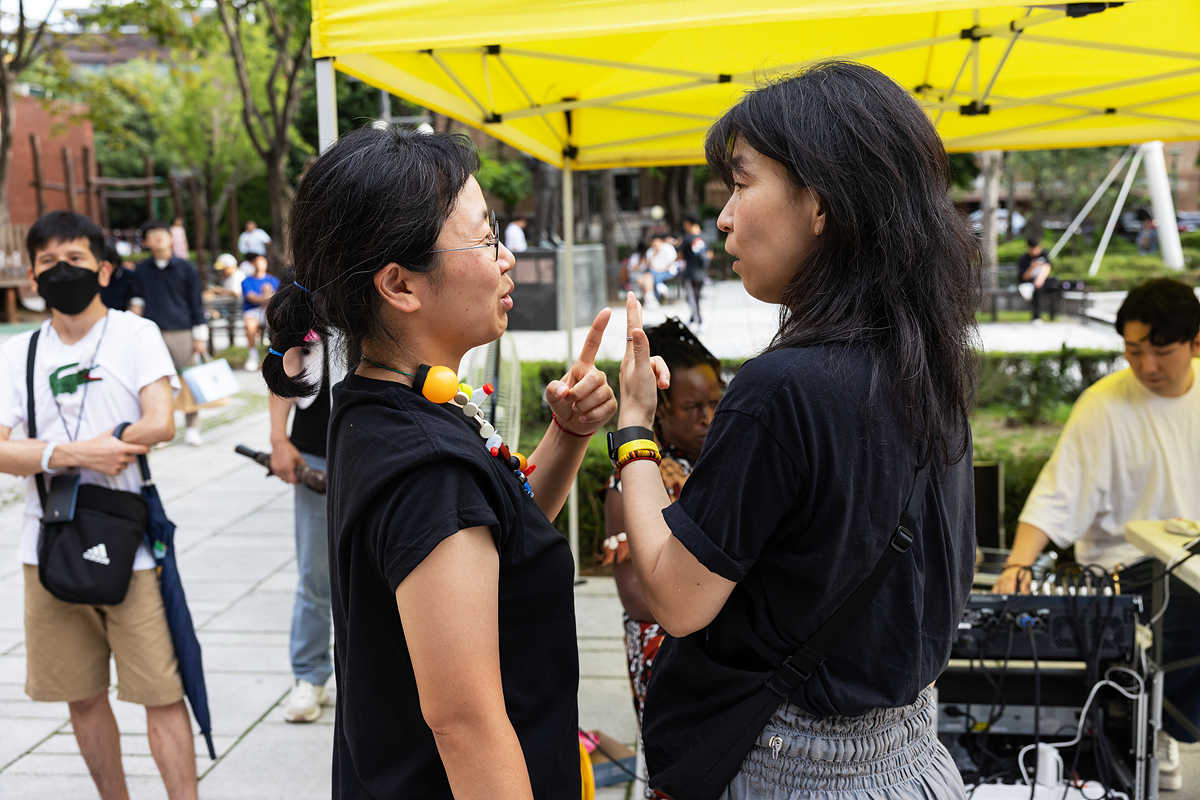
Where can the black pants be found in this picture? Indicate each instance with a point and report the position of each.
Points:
(1181, 639)
(1052, 291)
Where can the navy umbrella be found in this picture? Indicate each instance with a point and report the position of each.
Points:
(160, 535)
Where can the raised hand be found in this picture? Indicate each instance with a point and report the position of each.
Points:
(582, 400)
(642, 375)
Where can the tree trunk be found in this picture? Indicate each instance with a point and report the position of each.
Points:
(990, 161)
(279, 191)
(6, 133)
(608, 228)
(1011, 175)
(548, 205)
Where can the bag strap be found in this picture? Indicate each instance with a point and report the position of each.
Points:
(31, 409)
(143, 463)
(800, 665)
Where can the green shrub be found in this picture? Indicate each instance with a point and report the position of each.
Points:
(1033, 385)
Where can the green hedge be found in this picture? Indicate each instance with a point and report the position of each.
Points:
(1122, 267)
(1022, 400)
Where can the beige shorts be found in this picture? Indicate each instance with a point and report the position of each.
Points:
(179, 345)
(67, 645)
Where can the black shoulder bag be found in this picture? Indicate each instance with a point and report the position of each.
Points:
(89, 534)
(693, 755)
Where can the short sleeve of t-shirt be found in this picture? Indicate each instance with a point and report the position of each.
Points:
(1073, 485)
(437, 500)
(12, 394)
(752, 462)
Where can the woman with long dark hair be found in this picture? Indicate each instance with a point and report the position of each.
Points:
(451, 592)
(815, 565)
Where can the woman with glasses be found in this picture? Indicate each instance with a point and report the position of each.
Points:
(815, 566)
(452, 594)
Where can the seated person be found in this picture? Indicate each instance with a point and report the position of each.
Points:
(681, 422)
(660, 262)
(1033, 276)
(228, 279)
(1129, 452)
(256, 291)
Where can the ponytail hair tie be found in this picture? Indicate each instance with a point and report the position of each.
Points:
(299, 286)
(274, 352)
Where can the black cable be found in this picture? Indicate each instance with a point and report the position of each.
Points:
(1037, 705)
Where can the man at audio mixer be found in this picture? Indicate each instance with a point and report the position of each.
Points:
(1128, 452)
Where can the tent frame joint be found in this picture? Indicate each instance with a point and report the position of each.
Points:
(493, 119)
(492, 49)
(570, 152)
(1077, 10)
(975, 33)
(975, 109)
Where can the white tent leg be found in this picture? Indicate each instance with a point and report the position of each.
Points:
(326, 103)
(567, 264)
(1163, 205)
(1116, 212)
(1073, 228)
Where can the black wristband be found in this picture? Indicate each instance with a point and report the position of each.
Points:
(120, 429)
(623, 435)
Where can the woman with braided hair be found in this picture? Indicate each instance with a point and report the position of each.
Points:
(681, 422)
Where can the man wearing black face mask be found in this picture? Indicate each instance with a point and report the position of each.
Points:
(93, 369)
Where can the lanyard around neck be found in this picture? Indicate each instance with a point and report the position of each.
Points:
(83, 400)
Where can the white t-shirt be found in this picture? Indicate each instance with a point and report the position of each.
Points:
(514, 238)
(663, 259)
(234, 282)
(1125, 454)
(131, 355)
(254, 241)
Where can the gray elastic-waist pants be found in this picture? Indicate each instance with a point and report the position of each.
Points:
(885, 754)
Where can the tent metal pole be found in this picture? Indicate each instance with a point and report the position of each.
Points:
(326, 103)
(1163, 205)
(461, 86)
(568, 273)
(1114, 47)
(1073, 228)
(553, 108)
(963, 142)
(1102, 87)
(1116, 213)
(1012, 42)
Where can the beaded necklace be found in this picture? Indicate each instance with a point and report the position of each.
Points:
(441, 385)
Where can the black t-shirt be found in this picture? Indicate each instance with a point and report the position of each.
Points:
(796, 493)
(695, 256)
(310, 427)
(404, 474)
(1026, 261)
(122, 287)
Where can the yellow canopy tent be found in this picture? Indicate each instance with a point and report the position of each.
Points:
(594, 84)
(591, 84)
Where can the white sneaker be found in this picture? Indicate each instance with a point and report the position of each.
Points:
(252, 361)
(1170, 776)
(192, 436)
(303, 704)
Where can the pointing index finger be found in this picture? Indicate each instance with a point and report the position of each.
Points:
(595, 334)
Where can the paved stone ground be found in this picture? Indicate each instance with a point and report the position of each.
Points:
(236, 557)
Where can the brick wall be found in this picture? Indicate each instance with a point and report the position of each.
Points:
(56, 125)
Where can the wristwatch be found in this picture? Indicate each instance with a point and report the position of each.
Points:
(623, 436)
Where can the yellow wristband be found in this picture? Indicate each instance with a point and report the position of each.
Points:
(642, 454)
(636, 444)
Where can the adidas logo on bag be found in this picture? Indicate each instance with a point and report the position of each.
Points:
(97, 553)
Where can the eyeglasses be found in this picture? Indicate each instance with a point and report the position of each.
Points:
(493, 227)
